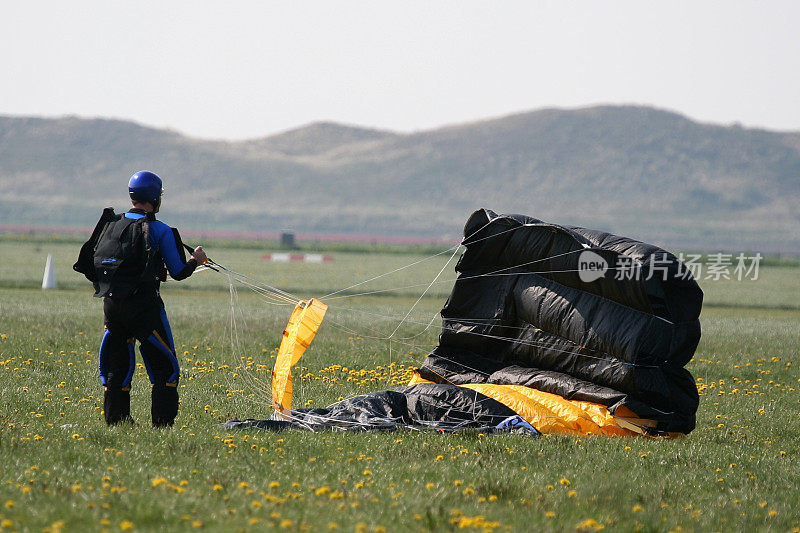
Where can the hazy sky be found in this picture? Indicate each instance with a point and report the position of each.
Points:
(246, 69)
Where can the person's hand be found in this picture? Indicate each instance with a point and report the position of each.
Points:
(199, 255)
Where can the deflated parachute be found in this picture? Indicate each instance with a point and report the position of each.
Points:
(576, 331)
(581, 314)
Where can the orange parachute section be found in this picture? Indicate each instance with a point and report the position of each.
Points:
(303, 325)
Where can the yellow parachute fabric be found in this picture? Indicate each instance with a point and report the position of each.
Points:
(303, 325)
(550, 413)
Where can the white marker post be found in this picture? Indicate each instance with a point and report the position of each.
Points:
(49, 279)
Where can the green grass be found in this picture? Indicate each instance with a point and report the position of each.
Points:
(62, 468)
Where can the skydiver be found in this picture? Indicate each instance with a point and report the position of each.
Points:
(126, 258)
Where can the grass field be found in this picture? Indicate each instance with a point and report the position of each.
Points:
(61, 468)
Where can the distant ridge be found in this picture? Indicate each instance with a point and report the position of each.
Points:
(319, 137)
(646, 173)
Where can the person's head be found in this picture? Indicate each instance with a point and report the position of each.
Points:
(146, 188)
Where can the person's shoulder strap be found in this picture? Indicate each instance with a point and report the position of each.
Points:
(179, 245)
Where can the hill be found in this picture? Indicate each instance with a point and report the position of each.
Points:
(643, 172)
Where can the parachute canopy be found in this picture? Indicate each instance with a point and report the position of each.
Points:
(577, 331)
(578, 313)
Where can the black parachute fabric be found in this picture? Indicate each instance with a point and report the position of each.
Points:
(523, 313)
(581, 314)
(423, 406)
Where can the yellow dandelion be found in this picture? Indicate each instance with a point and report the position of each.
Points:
(197, 523)
(590, 524)
(564, 481)
(572, 494)
(126, 525)
(637, 508)
(158, 481)
(550, 514)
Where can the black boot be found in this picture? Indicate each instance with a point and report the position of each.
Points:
(164, 406)
(117, 406)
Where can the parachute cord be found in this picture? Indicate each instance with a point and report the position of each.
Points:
(456, 247)
(233, 325)
(236, 342)
(500, 272)
(533, 344)
(422, 349)
(423, 330)
(423, 293)
(473, 321)
(244, 279)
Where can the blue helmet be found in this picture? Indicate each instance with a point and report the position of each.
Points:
(144, 186)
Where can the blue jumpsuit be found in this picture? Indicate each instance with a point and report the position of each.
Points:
(141, 316)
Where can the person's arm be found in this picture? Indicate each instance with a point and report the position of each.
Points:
(172, 257)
